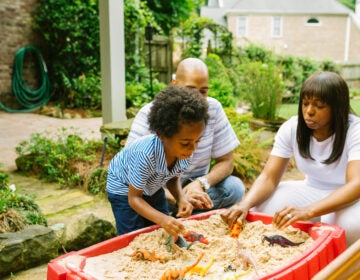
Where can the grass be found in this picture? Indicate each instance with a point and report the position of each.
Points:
(288, 110)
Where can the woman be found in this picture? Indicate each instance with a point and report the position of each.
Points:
(325, 141)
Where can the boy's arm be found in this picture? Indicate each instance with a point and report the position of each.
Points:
(138, 204)
(184, 206)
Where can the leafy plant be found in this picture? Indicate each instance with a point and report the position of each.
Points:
(137, 95)
(263, 87)
(54, 161)
(70, 32)
(249, 156)
(97, 182)
(220, 85)
(17, 210)
(84, 91)
(65, 158)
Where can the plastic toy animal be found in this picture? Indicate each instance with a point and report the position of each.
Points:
(280, 240)
(236, 229)
(179, 273)
(246, 258)
(193, 236)
(202, 269)
(175, 245)
(145, 255)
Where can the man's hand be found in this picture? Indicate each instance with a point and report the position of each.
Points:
(196, 195)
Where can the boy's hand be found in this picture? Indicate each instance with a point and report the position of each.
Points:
(184, 209)
(172, 226)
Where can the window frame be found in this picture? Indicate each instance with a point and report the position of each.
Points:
(243, 27)
(277, 26)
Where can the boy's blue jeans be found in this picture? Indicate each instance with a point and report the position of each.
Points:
(127, 219)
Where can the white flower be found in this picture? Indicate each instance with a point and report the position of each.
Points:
(12, 187)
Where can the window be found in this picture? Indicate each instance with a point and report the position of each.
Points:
(241, 26)
(313, 21)
(277, 26)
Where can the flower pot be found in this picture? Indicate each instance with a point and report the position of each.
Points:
(271, 125)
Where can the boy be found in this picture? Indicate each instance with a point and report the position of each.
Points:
(137, 174)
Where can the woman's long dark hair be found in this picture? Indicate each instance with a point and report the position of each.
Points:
(331, 89)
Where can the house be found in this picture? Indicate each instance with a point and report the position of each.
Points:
(320, 29)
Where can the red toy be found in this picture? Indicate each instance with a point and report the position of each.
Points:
(193, 236)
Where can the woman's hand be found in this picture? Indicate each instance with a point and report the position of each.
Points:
(235, 214)
(289, 214)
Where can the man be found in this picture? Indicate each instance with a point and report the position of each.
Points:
(205, 189)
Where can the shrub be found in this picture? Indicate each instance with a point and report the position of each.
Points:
(65, 158)
(263, 87)
(17, 210)
(220, 85)
(249, 156)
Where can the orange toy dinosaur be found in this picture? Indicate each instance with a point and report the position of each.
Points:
(145, 255)
(179, 273)
(236, 229)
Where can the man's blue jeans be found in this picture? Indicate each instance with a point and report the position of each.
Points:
(127, 219)
(223, 195)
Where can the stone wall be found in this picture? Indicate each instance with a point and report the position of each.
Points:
(15, 32)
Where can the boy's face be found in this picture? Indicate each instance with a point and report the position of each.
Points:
(182, 144)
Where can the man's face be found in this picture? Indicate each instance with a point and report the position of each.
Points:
(195, 80)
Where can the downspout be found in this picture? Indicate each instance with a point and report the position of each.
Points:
(347, 39)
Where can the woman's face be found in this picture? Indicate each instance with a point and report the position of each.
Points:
(183, 143)
(317, 116)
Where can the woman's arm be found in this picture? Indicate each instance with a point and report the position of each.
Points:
(136, 202)
(261, 189)
(338, 199)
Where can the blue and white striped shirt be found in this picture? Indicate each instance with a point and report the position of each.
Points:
(217, 140)
(142, 163)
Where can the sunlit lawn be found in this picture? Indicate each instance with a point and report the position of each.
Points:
(288, 110)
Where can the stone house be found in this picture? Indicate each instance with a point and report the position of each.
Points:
(320, 29)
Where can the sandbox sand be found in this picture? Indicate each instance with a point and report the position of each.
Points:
(223, 248)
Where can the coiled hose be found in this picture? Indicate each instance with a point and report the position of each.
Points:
(29, 99)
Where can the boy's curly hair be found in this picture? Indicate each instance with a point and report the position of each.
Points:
(175, 105)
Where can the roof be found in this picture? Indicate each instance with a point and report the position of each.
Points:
(309, 7)
(289, 6)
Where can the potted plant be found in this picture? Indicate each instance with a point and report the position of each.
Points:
(262, 87)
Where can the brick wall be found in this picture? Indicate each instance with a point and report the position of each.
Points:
(15, 32)
(323, 41)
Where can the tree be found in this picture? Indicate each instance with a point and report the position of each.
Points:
(169, 14)
(348, 3)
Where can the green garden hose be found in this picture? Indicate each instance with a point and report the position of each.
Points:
(29, 99)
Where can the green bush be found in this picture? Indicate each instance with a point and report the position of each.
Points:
(84, 91)
(70, 31)
(262, 86)
(55, 160)
(17, 210)
(65, 158)
(137, 95)
(249, 156)
(96, 183)
(220, 84)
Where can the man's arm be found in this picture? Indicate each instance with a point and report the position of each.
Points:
(222, 168)
(140, 125)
